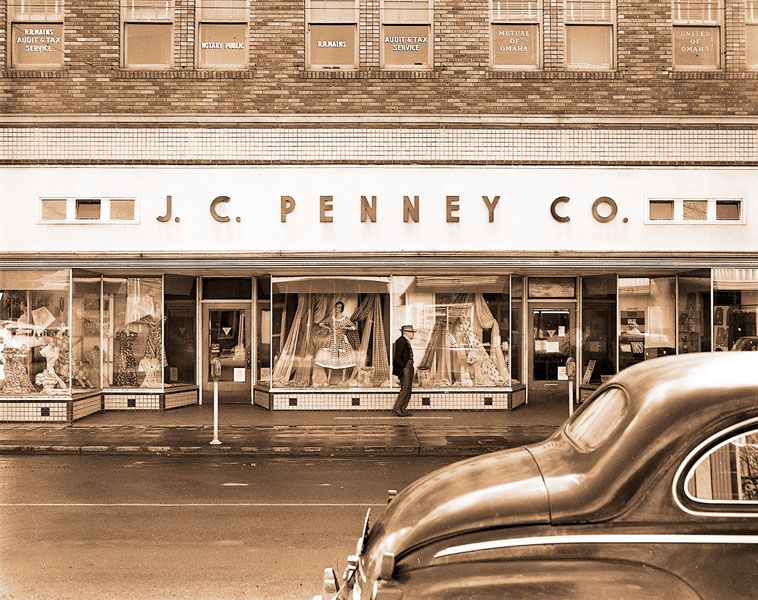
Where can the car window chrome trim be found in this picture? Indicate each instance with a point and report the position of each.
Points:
(689, 460)
(604, 538)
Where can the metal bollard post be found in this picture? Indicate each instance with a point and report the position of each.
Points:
(571, 374)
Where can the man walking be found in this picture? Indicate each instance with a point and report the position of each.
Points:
(402, 366)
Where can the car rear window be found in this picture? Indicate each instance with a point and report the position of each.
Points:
(591, 426)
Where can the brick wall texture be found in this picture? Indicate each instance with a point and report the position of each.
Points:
(461, 81)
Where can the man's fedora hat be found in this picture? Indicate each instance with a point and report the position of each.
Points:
(408, 328)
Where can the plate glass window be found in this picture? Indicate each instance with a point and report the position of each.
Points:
(661, 210)
(88, 209)
(516, 34)
(697, 34)
(122, 210)
(590, 35)
(332, 34)
(222, 37)
(695, 210)
(54, 210)
(147, 33)
(36, 34)
(406, 34)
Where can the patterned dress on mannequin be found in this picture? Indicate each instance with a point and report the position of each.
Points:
(125, 374)
(336, 351)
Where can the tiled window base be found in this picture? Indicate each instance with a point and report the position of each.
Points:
(131, 401)
(383, 400)
(35, 410)
(177, 399)
(88, 405)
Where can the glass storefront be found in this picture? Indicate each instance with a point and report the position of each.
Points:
(71, 331)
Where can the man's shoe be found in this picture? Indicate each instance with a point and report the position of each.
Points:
(399, 413)
(407, 413)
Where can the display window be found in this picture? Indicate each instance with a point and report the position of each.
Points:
(263, 328)
(35, 342)
(590, 34)
(330, 332)
(697, 32)
(86, 331)
(148, 30)
(133, 355)
(36, 34)
(332, 34)
(599, 312)
(406, 34)
(647, 318)
(694, 309)
(735, 309)
(180, 330)
(462, 327)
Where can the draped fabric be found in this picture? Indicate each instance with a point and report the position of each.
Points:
(455, 354)
(295, 366)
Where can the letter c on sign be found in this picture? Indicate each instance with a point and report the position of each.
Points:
(216, 201)
(613, 209)
(554, 209)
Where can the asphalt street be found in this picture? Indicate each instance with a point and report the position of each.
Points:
(106, 527)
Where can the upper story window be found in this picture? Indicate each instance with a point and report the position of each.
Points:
(406, 34)
(332, 34)
(515, 34)
(751, 34)
(222, 34)
(693, 211)
(147, 33)
(36, 34)
(590, 34)
(83, 210)
(697, 34)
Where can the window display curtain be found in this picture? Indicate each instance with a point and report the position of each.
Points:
(455, 354)
(295, 366)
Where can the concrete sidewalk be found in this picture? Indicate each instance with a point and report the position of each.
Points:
(346, 433)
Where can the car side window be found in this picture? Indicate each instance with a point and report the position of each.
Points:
(591, 426)
(728, 473)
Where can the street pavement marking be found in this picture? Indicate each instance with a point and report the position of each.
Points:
(195, 504)
(383, 418)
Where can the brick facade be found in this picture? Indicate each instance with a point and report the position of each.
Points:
(461, 82)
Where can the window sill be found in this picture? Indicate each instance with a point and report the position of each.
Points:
(186, 74)
(713, 74)
(34, 74)
(492, 74)
(372, 74)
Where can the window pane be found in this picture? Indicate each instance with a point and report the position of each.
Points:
(661, 210)
(148, 45)
(37, 10)
(150, 10)
(751, 46)
(589, 46)
(122, 210)
(333, 45)
(88, 209)
(728, 473)
(696, 47)
(590, 11)
(509, 10)
(694, 313)
(752, 11)
(461, 326)
(552, 287)
(54, 210)
(696, 10)
(516, 45)
(406, 45)
(333, 11)
(222, 45)
(223, 10)
(36, 45)
(727, 210)
(599, 313)
(406, 11)
(695, 210)
(596, 421)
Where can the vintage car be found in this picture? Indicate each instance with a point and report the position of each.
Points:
(649, 491)
(747, 343)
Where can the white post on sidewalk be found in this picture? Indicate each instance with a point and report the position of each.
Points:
(571, 397)
(571, 374)
(215, 372)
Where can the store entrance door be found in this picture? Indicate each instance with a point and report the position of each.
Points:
(226, 327)
(551, 343)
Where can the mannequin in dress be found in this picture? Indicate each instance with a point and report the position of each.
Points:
(50, 352)
(336, 353)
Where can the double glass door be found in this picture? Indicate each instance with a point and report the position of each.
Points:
(227, 329)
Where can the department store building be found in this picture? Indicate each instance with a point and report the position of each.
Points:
(282, 186)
